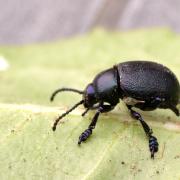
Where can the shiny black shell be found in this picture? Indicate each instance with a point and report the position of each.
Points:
(146, 80)
(106, 86)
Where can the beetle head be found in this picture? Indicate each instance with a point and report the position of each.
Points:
(89, 96)
(89, 100)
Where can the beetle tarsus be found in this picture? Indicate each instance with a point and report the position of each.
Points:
(153, 145)
(84, 135)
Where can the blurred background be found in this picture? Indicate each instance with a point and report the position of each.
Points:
(23, 22)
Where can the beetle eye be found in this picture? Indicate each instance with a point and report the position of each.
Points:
(90, 90)
(89, 98)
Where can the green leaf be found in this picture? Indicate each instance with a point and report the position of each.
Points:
(118, 147)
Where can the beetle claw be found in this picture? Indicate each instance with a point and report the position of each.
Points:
(152, 154)
(79, 142)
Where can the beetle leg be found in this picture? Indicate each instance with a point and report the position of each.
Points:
(103, 108)
(88, 131)
(156, 101)
(85, 112)
(175, 110)
(153, 144)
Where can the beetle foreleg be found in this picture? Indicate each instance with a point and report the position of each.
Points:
(102, 108)
(88, 131)
(153, 144)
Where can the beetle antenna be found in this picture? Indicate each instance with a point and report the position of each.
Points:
(65, 89)
(64, 114)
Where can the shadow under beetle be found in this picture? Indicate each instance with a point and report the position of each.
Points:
(142, 84)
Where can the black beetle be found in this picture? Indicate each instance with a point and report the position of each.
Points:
(142, 84)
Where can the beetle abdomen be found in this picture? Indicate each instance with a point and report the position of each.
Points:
(144, 80)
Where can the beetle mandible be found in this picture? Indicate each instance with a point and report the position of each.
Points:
(142, 84)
